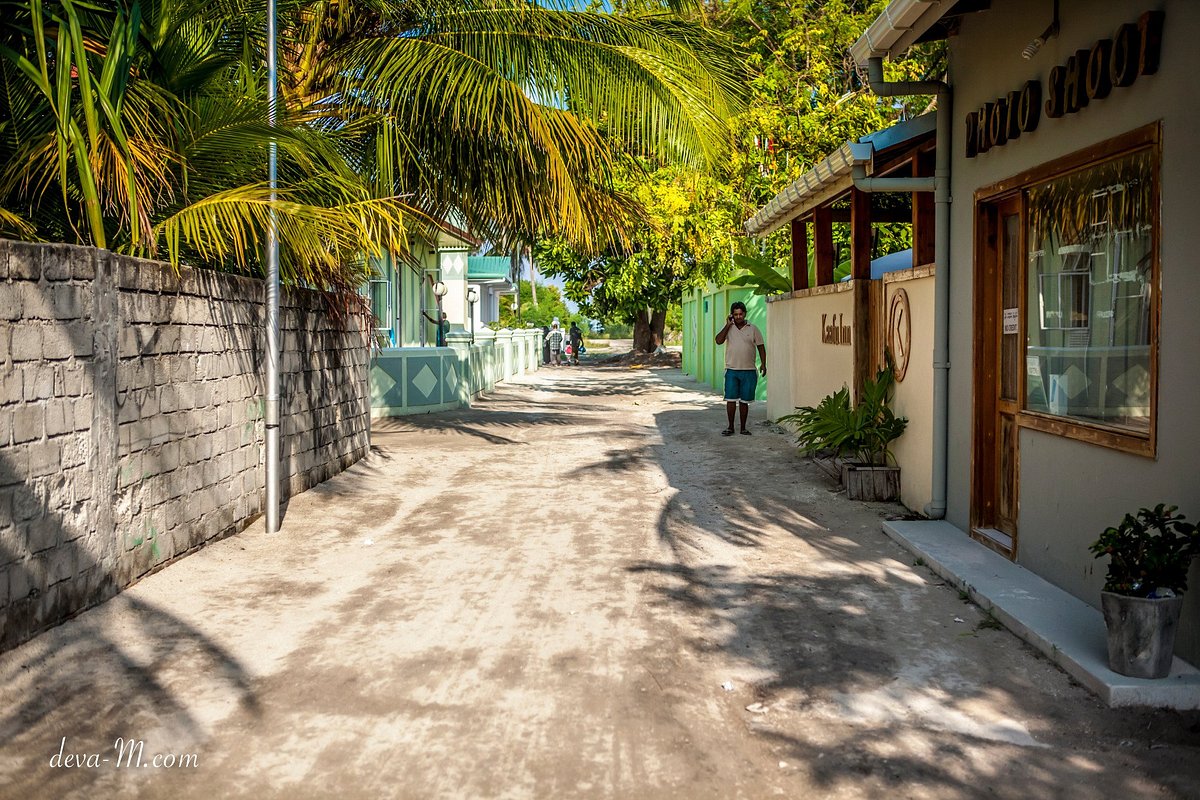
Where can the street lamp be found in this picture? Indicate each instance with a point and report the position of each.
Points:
(439, 291)
(271, 407)
(472, 296)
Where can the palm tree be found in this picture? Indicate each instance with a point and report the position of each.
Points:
(141, 128)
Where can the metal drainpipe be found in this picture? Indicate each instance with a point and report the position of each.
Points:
(941, 260)
(271, 415)
(865, 184)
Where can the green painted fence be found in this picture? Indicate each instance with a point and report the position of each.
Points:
(704, 313)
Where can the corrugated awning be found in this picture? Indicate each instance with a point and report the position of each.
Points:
(489, 268)
(898, 27)
(833, 176)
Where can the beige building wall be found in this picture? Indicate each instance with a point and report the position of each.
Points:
(780, 363)
(1069, 491)
(914, 394)
(813, 368)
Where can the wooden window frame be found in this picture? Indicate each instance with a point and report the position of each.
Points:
(1148, 137)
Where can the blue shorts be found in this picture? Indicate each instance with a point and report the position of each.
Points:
(740, 385)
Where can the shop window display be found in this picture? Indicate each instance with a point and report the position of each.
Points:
(1090, 294)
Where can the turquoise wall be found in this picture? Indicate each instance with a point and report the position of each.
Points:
(704, 312)
(417, 380)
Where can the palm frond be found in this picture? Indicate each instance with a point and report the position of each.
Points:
(320, 237)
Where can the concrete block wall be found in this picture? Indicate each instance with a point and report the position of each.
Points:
(131, 418)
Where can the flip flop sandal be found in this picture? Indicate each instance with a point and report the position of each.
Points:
(745, 433)
(727, 432)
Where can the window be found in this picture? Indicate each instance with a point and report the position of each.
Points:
(379, 292)
(1089, 295)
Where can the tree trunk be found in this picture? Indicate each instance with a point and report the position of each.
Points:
(515, 271)
(648, 328)
(532, 279)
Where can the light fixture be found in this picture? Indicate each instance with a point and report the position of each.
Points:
(439, 289)
(472, 296)
(1051, 31)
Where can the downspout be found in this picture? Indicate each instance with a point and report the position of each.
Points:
(941, 258)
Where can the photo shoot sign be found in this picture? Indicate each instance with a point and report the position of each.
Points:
(1088, 75)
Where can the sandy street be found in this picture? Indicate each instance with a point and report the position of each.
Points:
(575, 589)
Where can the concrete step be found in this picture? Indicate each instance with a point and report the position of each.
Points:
(1061, 626)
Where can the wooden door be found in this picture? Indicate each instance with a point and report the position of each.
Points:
(999, 275)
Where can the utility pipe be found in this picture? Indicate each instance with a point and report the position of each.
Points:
(271, 416)
(865, 184)
(941, 260)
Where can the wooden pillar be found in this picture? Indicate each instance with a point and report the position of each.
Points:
(823, 244)
(922, 212)
(860, 272)
(799, 254)
(860, 235)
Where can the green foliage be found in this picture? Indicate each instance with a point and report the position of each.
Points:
(140, 125)
(682, 240)
(761, 276)
(616, 330)
(673, 329)
(863, 431)
(805, 101)
(550, 305)
(1147, 551)
(989, 622)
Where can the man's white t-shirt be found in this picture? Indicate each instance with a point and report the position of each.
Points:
(741, 346)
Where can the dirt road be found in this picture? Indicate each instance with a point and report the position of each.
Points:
(576, 589)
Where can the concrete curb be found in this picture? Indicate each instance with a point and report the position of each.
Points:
(1061, 626)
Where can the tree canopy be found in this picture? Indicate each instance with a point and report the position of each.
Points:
(140, 125)
(550, 305)
(806, 100)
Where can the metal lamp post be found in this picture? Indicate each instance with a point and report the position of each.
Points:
(439, 291)
(271, 412)
(472, 296)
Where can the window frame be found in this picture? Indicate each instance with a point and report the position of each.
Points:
(377, 327)
(1148, 138)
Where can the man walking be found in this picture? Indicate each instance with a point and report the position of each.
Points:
(740, 339)
(555, 340)
(575, 339)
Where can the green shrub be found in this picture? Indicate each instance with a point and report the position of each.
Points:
(863, 431)
(1149, 551)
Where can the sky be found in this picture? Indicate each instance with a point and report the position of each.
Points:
(572, 306)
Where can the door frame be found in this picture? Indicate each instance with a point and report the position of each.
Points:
(985, 449)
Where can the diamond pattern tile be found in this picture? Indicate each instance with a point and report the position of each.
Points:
(425, 381)
(384, 382)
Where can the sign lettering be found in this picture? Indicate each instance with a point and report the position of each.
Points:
(1134, 50)
(833, 331)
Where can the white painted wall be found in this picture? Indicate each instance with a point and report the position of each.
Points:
(453, 265)
(914, 394)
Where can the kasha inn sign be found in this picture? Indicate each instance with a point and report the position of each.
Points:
(1088, 75)
(833, 330)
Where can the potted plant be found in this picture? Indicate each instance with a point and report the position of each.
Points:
(859, 435)
(1149, 556)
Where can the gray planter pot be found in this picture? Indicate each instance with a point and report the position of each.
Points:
(1141, 633)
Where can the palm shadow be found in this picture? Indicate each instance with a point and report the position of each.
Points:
(847, 641)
